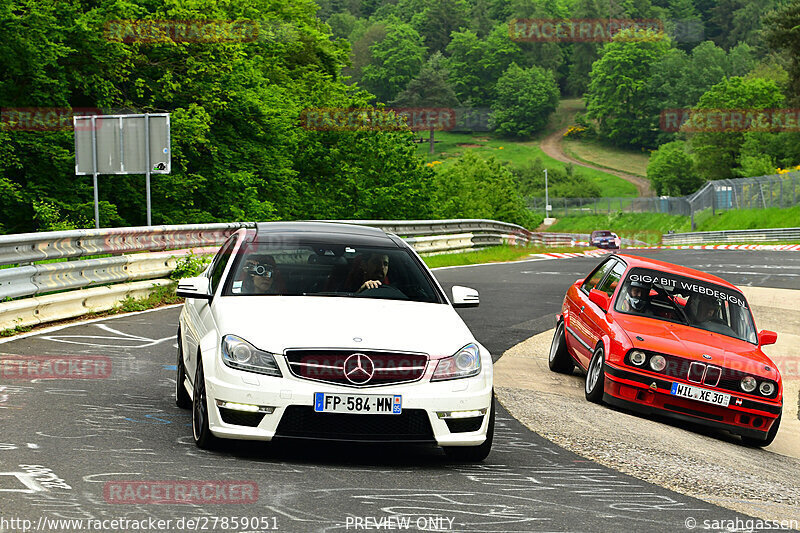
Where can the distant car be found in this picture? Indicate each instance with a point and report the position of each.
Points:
(658, 338)
(303, 330)
(604, 239)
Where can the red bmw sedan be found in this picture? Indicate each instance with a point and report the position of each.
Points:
(658, 338)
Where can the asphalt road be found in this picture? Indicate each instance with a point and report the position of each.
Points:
(65, 445)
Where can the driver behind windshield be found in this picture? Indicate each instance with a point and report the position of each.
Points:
(638, 297)
(369, 274)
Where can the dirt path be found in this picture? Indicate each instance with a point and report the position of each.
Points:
(551, 145)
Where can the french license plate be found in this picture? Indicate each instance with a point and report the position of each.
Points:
(366, 404)
(700, 395)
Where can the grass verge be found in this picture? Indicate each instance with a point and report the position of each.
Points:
(595, 153)
(449, 146)
(649, 227)
(494, 254)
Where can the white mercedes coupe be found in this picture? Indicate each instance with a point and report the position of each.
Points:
(325, 331)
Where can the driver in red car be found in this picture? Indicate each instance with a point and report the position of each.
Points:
(638, 298)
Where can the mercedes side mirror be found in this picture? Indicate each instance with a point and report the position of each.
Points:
(198, 287)
(465, 297)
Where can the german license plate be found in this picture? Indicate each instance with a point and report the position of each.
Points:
(700, 395)
(366, 404)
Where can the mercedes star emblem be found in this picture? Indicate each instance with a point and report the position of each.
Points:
(358, 369)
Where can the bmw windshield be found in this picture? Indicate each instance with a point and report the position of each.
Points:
(695, 303)
(326, 269)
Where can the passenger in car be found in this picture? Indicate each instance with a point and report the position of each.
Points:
(706, 314)
(261, 275)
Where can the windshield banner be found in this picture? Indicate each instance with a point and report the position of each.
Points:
(686, 286)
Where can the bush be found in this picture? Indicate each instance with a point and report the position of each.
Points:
(672, 170)
(560, 182)
(525, 99)
(190, 265)
(478, 188)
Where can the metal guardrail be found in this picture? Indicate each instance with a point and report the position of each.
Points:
(25, 248)
(142, 255)
(746, 235)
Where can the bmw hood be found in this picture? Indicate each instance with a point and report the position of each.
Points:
(694, 343)
(276, 323)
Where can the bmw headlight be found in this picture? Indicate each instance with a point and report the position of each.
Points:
(766, 388)
(240, 354)
(464, 364)
(638, 358)
(748, 384)
(658, 363)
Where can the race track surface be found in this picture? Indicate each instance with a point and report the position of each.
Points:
(65, 444)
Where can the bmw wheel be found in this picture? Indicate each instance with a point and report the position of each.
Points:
(560, 361)
(474, 454)
(596, 377)
(182, 398)
(202, 435)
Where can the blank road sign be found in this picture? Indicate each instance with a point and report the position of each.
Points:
(120, 143)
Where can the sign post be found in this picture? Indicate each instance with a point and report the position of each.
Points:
(122, 144)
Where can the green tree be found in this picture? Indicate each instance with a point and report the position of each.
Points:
(475, 65)
(429, 89)
(671, 170)
(717, 152)
(363, 36)
(466, 76)
(583, 54)
(235, 105)
(620, 97)
(780, 33)
(525, 99)
(438, 19)
(395, 61)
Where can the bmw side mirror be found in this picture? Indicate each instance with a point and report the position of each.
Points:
(766, 337)
(194, 288)
(465, 297)
(601, 299)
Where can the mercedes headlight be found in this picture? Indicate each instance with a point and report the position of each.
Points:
(239, 354)
(464, 364)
